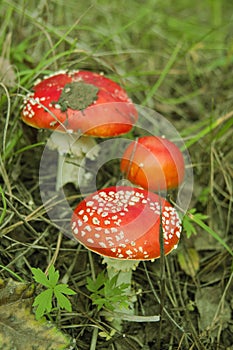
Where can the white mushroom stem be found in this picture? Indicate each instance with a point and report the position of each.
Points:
(123, 270)
(72, 151)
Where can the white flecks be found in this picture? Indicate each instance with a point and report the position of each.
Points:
(111, 193)
(122, 245)
(87, 228)
(101, 194)
(81, 212)
(97, 235)
(83, 233)
(102, 244)
(118, 222)
(53, 123)
(114, 229)
(79, 222)
(85, 218)
(129, 252)
(135, 199)
(115, 217)
(120, 236)
(95, 221)
(113, 250)
(140, 249)
(165, 235)
(106, 231)
(89, 203)
(107, 222)
(75, 230)
(132, 243)
(90, 240)
(99, 211)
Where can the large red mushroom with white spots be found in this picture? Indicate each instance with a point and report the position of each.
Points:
(125, 225)
(74, 104)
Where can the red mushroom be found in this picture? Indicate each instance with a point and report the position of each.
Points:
(74, 103)
(123, 224)
(153, 163)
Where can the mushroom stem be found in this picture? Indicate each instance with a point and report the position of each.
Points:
(72, 150)
(123, 269)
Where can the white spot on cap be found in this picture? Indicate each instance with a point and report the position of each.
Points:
(95, 221)
(102, 244)
(129, 252)
(85, 218)
(79, 222)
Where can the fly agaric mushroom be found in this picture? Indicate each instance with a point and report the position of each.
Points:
(74, 103)
(124, 225)
(153, 163)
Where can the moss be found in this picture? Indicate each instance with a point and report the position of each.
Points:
(77, 96)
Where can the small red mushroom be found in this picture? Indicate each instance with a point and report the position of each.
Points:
(124, 225)
(74, 103)
(153, 163)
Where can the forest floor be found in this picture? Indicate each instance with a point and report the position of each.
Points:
(172, 57)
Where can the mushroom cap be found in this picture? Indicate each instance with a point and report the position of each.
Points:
(124, 223)
(79, 101)
(153, 163)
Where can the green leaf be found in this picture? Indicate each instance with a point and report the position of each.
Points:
(94, 286)
(63, 288)
(40, 277)
(43, 301)
(188, 220)
(63, 301)
(53, 276)
(100, 302)
(106, 293)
